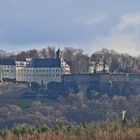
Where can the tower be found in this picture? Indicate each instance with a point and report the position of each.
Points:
(58, 53)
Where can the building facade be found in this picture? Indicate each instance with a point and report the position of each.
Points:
(98, 67)
(7, 69)
(39, 70)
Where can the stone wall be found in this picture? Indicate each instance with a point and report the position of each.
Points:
(105, 83)
(102, 77)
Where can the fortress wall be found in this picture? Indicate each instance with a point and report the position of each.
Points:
(80, 78)
(134, 77)
(101, 77)
(122, 84)
(114, 77)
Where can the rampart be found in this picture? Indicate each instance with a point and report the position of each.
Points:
(107, 82)
(101, 77)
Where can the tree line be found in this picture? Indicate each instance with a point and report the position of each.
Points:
(80, 61)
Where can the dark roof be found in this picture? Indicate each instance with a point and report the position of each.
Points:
(45, 62)
(7, 62)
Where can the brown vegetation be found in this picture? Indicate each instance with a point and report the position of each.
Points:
(74, 109)
(102, 131)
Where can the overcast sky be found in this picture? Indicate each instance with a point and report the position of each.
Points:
(87, 24)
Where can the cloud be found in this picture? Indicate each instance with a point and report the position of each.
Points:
(129, 21)
(123, 43)
(93, 20)
(121, 38)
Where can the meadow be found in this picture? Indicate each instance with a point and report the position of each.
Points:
(108, 130)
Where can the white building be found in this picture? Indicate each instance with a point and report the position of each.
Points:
(7, 69)
(41, 70)
(98, 67)
(21, 71)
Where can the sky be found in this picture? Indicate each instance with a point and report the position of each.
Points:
(87, 24)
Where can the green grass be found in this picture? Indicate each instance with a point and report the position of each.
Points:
(23, 103)
(27, 102)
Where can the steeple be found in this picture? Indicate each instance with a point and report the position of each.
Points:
(58, 53)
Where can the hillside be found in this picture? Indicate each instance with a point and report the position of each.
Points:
(38, 109)
(9, 88)
(11, 92)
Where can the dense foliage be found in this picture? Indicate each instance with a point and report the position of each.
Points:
(73, 109)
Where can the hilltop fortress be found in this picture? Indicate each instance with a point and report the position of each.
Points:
(46, 70)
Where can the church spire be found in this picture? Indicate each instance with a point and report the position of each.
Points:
(58, 53)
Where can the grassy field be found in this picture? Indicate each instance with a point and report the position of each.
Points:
(100, 131)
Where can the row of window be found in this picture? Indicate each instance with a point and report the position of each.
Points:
(21, 64)
(41, 70)
(42, 75)
(8, 66)
(8, 70)
(29, 80)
